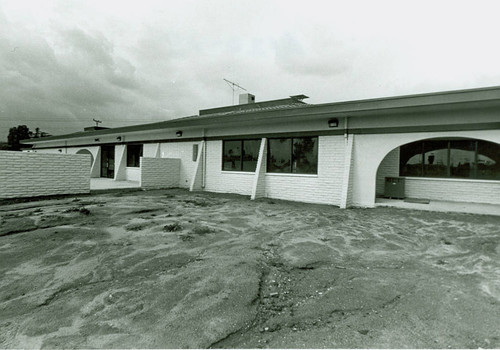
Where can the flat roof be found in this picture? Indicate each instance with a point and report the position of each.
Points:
(285, 107)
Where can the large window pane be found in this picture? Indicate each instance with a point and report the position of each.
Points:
(250, 154)
(411, 159)
(279, 157)
(488, 160)
(134, 154)
(462, 158)
(305, 155)
(435, 158)
(231, 157)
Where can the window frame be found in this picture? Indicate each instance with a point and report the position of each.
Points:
(242, 155)
(137, 160)
(292, 170)
(451, 169)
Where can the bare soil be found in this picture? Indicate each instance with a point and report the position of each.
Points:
(173, 269)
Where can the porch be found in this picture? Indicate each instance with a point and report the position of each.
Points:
(102, 183)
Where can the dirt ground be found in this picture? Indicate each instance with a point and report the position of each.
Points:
(173, 269)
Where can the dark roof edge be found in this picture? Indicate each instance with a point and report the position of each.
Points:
(410, 96)
(171, 123)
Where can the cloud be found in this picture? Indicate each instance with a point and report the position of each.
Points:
(63, 63)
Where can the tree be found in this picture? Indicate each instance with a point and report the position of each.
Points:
(16, 134)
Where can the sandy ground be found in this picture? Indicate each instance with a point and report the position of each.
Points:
(172, 269)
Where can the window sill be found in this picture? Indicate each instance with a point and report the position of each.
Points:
(133, 167)
(237, 172)
(292, 175)
(450, 179)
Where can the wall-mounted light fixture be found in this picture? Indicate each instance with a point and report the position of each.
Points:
(119, 138)
(333, 123)
(60, 150)
(96, 140)
(178, 133)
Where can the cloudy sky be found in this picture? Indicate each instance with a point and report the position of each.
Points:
(63, 63)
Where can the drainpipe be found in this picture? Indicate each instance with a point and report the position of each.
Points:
(346, 130)
(204, 162)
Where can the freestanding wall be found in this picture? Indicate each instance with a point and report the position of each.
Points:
(160, 172)
(25, 174)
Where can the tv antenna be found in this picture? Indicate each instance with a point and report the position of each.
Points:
(234, 86)
(97, 121)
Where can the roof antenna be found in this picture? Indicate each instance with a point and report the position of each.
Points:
(97, 122)
(233, 86)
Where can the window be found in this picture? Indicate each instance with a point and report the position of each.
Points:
(456, 158)
(297, 155)
(240, 155)
(134, 154)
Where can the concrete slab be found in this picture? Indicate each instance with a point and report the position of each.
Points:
(101, 183)
(441, 206)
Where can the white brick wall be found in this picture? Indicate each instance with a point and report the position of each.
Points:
(325, 188)
(160, 172)
(183, 151)
(389, 167)
(225, 181)
(478, 191)
(40, 174)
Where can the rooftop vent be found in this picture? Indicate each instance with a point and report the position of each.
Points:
(94, 128)
(246, 99)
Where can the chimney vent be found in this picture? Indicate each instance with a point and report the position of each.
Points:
(246, 99)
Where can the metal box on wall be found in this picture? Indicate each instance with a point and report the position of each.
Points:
(394, 187)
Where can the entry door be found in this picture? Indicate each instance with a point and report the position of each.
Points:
(108, 161)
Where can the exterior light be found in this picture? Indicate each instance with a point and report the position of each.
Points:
(60, 150)
(96, 140)
(178, 133)
(333, 123)
(119, 138)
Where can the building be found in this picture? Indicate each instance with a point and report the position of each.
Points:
(445, 145)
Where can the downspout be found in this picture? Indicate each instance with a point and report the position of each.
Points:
(204, 162)
(346, 129)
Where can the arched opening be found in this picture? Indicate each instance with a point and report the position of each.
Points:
(85, 151)
(451, 168)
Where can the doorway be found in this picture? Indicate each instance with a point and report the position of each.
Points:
(108, 161)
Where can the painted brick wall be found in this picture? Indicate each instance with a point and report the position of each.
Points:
(225, 181)
(183, 151)
(325, 188)
(25, 174)
(453, 190)
(160, 172)
(389, 167)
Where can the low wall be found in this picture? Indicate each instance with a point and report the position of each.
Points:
(42, 174)
(160, 172)
(459, 190)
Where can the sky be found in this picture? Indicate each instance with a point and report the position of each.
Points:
(65, 63)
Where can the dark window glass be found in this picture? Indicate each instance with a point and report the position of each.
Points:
(250, 154)
(488, 160)
(435, 158)
(293, 155)
(240, 155)
(465, 158)
(231, 159)
(305, 155)
(410, 158)
(279, 156)
(462, 158)
(134, 154)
